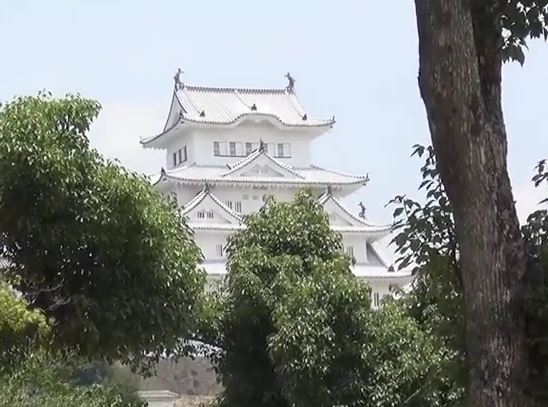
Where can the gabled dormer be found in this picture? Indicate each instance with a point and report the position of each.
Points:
(206, 209)
(344, 221)
(260, 164)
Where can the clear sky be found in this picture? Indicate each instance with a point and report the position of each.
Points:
(356, 60)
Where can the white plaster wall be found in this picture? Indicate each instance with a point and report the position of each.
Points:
(175, 143)
(208, 241)
(203, 138)
(379, 286)
(359, 245)
(252, 198)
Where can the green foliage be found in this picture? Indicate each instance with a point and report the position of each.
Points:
(320, 344)
(45, 381)
(94, 246)
(283, 241)
(296, 326)
(506, 25)
(20, 329)
(518, 21)
(331, 349)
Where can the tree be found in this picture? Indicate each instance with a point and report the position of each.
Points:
(21, 329)
(92, 245)
(330, 349)
(296, 328)
(426, 239)
(280, 240)
(47, 381)
(462, 45)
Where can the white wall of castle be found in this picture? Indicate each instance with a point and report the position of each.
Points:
(199, 143)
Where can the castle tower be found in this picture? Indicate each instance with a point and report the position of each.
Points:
(228, 148)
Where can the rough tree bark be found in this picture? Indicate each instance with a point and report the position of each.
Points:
(460, 83)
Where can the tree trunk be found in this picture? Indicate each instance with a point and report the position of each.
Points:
(460, 83)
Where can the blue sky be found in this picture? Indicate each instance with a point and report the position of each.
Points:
(356, 60)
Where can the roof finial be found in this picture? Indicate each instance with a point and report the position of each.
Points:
(207, 187)
(177, 79)
(262, 145)
(367, 179)
(362, 210)
(162, 172)
(291, 85)
(329, 190)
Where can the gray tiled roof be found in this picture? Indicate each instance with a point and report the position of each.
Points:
(203, 104)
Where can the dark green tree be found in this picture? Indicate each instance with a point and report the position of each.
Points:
(296, 326)
(108, 259)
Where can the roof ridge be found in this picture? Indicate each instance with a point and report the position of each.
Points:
(232, 89)
(346, 174)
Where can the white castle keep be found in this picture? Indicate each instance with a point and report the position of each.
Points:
(228, 148)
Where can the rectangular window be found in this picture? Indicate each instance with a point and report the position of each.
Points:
(240, 149)
(201, 215)
(238, 206)
(210, 214)
(280, 150)
(287, 149)
(232, 146)
(229, 204)
(175, 159)
(184, 156)
(350, 251)
(219, 250)
(248, 148)
(376, 299)
(216, 149)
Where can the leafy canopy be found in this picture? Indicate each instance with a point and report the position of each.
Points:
(92, 245)
(296, 326)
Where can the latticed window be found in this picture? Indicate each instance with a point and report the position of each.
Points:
(349, 251)
(219, 250)
(248, 148)
(216, 148)
(376, 299)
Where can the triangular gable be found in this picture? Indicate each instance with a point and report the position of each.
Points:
(260, 164)
(206, 208)
(339, 215)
